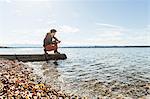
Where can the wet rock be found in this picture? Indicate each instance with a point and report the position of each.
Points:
(18, 81)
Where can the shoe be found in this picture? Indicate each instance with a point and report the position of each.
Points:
(46, 53)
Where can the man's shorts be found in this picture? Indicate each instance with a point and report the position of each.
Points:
(51, 47)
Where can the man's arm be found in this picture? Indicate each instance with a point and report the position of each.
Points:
(55, 38)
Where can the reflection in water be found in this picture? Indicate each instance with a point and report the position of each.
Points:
(50, 73)
(55, 62)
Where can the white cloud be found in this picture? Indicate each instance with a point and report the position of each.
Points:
(118, 41)
(109, 30)
(36, 36)
(8, 1)
(148, 28)
(107, 41)
(109, 33)
(117, 35)
(95, 41)
(68, 29)
(108, 25)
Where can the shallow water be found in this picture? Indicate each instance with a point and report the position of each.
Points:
(85, 68)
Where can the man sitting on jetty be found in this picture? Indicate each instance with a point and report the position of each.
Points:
(50, 42)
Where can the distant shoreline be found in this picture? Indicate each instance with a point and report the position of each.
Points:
(88, 47)
(105, 46)
(3, 47)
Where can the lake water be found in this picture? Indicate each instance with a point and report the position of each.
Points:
(84, 68)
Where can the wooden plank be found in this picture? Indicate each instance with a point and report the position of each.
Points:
(35, 57)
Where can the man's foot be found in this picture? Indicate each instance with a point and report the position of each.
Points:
(46, 53)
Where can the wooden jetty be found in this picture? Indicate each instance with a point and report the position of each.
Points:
(34, 57)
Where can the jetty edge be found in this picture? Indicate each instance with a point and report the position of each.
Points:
(34, 57)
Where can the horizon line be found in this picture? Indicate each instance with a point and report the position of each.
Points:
(81, 46)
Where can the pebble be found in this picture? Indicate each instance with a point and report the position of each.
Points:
(18, 81)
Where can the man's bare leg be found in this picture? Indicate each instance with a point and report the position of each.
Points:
(45, 51)
(55, 50)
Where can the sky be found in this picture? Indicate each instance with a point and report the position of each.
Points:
(78, 22)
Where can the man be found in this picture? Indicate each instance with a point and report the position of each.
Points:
(50, 42)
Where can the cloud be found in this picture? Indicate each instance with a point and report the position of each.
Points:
(109, 33)
(118, 35)
(8, 1)
(109, 25)
(148, 28)
(94, 41)
(68, 29)
(36, 36)
(107, 41)
(109, 30)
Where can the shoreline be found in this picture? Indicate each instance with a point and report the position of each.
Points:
(17, 79)
(130, 46)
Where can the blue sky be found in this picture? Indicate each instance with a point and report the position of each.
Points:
(79, 22)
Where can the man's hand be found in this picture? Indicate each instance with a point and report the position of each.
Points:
(58, 41)
(55, 42)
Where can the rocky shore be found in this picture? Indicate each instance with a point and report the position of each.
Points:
(17, 81)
